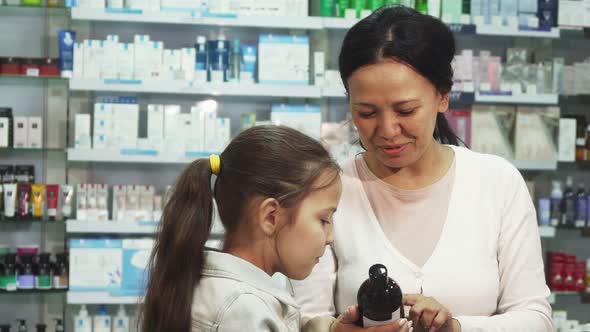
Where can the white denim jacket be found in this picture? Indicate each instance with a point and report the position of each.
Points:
(233, 295)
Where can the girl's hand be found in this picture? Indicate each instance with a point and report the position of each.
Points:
(347, 323)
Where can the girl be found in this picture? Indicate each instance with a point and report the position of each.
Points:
(276, 191)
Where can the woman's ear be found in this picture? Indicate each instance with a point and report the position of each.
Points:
(269, 216)
(443, 103)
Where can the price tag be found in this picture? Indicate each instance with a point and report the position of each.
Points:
(33, 72)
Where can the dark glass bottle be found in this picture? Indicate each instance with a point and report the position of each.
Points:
(43, 272)
(379, 298)
(60, 274)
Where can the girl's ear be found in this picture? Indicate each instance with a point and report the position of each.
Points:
(268, 217)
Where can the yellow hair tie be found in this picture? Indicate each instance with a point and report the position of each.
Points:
(215, 162)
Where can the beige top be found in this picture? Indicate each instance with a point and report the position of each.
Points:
(412, 220)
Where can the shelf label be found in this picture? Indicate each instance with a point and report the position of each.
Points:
(123, 11)
(138, 152)
(128, 82)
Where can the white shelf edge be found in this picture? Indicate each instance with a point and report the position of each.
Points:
(80, 297)
(540, 99)
(188, 18)
(115, 156)
(187, 88)
(491, 30)
(535, 165)
(108, 227)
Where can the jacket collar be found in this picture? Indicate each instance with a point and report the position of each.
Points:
(223, 265)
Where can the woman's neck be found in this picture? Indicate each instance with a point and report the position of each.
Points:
(431, 167)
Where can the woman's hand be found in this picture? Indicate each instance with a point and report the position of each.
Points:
(347, 323)
(428, 315)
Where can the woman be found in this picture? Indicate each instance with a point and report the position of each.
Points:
(456, 229)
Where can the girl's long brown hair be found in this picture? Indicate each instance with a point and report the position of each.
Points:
(265, 161)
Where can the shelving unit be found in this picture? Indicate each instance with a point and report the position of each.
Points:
(273, 22)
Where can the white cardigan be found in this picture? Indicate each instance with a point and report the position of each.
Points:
(486, 268)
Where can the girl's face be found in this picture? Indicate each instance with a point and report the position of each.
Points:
(302, 241)
(394, 109)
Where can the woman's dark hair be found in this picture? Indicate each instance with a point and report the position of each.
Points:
(418, 40)
(266, 161)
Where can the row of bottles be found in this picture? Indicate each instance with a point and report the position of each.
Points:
(565, 208)
(22, 326)
(102, 321)
(31, 271)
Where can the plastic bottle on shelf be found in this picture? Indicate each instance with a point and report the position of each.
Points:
(22, 325)
(102, 320)
(581, 206)
(121, 321)
(556, 197)
(568, 204)
(82, 321)
(59, 325)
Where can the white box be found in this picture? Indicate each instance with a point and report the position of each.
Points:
(210, 130)
(95, 264)
(103, 111)
(125, 63)
(567, 140)
(156, 60)
(283, 59)
(21, 128)
(184, 129)
(490, 130)
(319, 63)
(82, 201)
(223, 132)
(126, 124)
(188, 59)
(109, 63)
(141, 57)
(78, 60)
(305, 118)
(92, 207)
(119, 199)
(197, 135)
(4, 130)
(91, 67)
(35, 133)
(535, 127)
(172, 66)
(155, 128)
(171, 113)
(132, 202)
(82, 131)
(102, 202)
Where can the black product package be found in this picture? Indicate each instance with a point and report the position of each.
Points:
(24, 173)
(6, 174)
